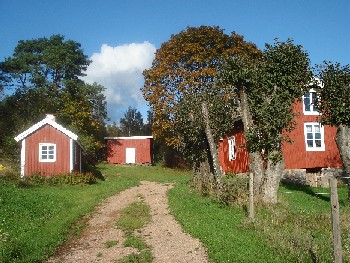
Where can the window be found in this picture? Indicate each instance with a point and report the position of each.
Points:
(314, 136)
(309, 100)
(47, 152)
(231, 148)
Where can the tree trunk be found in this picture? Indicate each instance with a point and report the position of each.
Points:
(255, 158)
(343, 142)
(212, 145)
(271, 181)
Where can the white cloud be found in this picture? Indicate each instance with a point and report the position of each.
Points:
(119, 70)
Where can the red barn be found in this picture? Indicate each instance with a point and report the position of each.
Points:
(130, 150)
(313, 147)
(48, 148)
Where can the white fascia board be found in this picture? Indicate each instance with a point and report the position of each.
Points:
(42, 123)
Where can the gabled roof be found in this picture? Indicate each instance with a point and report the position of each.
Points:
(40, 124)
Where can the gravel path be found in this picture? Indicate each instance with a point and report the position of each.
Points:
(169, 243)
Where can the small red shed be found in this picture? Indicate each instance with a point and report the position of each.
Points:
(129, 150)
(48, 148)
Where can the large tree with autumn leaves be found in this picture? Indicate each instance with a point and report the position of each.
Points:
(182, 77)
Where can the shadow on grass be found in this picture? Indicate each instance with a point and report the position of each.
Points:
(96, 172)
(306, 189)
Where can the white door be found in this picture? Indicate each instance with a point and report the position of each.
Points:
(130, 155)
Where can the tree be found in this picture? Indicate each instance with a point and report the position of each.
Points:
(132, 123)
(44, 77)
(182, 77)
(266, 90)
(334, 104)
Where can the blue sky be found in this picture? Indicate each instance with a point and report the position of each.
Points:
(122, 36)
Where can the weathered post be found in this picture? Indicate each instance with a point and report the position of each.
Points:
(251, 197)
(337, 249)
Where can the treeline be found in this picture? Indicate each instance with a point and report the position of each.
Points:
(132, 124)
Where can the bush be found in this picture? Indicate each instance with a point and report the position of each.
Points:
(58, 179)
(62, 179)
(233, 189)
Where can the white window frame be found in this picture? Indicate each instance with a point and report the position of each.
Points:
(313, 137)
(231, 148)
(313, 110)
(46, 152)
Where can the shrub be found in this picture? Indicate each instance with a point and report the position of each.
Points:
(61, 179)
(58, 179)
(233, 189)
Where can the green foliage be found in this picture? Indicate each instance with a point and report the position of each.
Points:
(59, 179)
(334, 96)
(272, 83)
(44, 77)
(185, 68)
(233, 188)
(132, 123)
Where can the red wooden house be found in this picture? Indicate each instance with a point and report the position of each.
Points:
(129, 150)
(48, 148)
(313, 147)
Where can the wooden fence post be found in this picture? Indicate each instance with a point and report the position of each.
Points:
(251, 196)
(337, 249)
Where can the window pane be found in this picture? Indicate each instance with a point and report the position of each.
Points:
(44, 147)
(318, 143)
(310, 143)
(307, 104)
(51, 157)
(318, 135)
(317, 128)
(308, 128)
(51, 147)
(309, 136)
(44, 157)
(51, 152)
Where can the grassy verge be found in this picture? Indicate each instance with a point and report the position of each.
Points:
(298, 229)
(34, 221)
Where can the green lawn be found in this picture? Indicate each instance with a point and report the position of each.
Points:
(35, 220)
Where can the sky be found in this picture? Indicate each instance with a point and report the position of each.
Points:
(122, 36)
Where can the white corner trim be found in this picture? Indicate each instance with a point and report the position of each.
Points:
(71, 153)
(23, 157)
(42, 123)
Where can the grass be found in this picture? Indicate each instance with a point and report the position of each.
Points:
(298, 229)
(111, 243)
(133, 218)
(34, 221)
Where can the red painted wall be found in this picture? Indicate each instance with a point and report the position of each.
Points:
(116, 149)
(295, 155)
(47, 134)
(241, 163)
